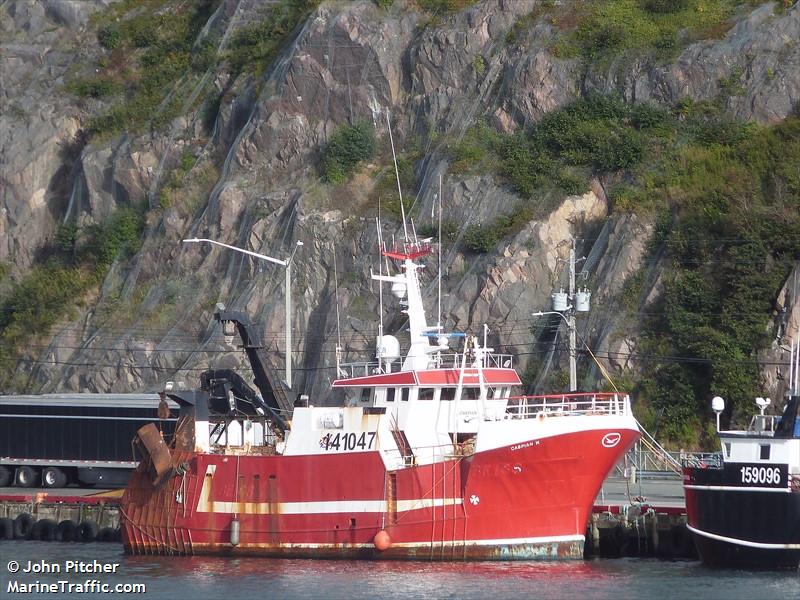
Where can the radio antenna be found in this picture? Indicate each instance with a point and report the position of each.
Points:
(397, 176)
(338, 325)
(439, 316)
(797, 361)
(380, 289)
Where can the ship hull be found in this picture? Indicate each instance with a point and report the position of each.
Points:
(530, 500)
(738, 526)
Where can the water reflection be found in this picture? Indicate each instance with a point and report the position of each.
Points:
(198, 578)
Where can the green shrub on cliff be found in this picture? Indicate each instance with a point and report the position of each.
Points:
(725, 252)
(77, 262)
(594, 134)
(350, 145)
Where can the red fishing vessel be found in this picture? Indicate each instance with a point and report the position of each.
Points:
(429, 455)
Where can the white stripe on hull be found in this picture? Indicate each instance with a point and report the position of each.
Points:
(733, 488)
(499, 542)
(747, 543)
(206, 505)
(322, 507)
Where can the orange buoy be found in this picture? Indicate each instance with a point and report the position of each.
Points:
(382, 540)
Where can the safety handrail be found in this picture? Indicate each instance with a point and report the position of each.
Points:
(572, 404)
(437, 361)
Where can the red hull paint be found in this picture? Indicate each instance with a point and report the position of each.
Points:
(524, 501)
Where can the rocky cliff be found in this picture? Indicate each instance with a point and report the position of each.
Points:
(237, 161)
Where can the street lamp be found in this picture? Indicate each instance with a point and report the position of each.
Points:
(284, 263)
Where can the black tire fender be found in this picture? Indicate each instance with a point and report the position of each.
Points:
(6, 529)
(23, 525)
(67, 531)
(87, 531)
(44, 530)
(106, 534)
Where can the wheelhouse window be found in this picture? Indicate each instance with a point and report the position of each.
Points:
(447, 393)
(365, 394)
(404, 394)
(390, 395)
(425, 394)
(471, 393)
(764, 451)
(727, 449)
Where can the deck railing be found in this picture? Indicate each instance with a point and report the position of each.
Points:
(529, 407)
(253, 434)
(706, 460)
(436, 361)
(761, 424)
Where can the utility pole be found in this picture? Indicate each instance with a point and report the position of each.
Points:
(565, 305)
(288, 325)
(573, 369)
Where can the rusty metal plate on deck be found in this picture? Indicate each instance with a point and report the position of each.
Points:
(160, 458)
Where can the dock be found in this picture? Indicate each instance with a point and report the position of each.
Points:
(641, 516)
(68, 515)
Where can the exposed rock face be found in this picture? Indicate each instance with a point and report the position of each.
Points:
(38, 121)
(349, 61)
(538, 83)
(787, 341)
(754, 67)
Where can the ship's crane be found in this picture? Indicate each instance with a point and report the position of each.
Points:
(273, 391)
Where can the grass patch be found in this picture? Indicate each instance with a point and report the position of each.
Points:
(253, 47)
(476, 151)
(444, 7)
(150, 49)
(77, 262)
(184, 192)
(98, 86)
(481, 239)
(601, 30)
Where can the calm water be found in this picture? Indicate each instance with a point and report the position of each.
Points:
(261, 579)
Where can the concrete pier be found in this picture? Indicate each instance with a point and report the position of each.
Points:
(50, 517)
(644, 516)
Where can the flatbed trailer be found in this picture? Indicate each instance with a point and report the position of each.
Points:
(54, 440)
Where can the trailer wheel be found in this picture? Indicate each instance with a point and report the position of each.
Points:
(67, 531)
(22, 526)
(5, 476)
(26, 476)
(53, 477)
(6, 529)
(87, 532)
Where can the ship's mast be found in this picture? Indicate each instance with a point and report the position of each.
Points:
(406, 284)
